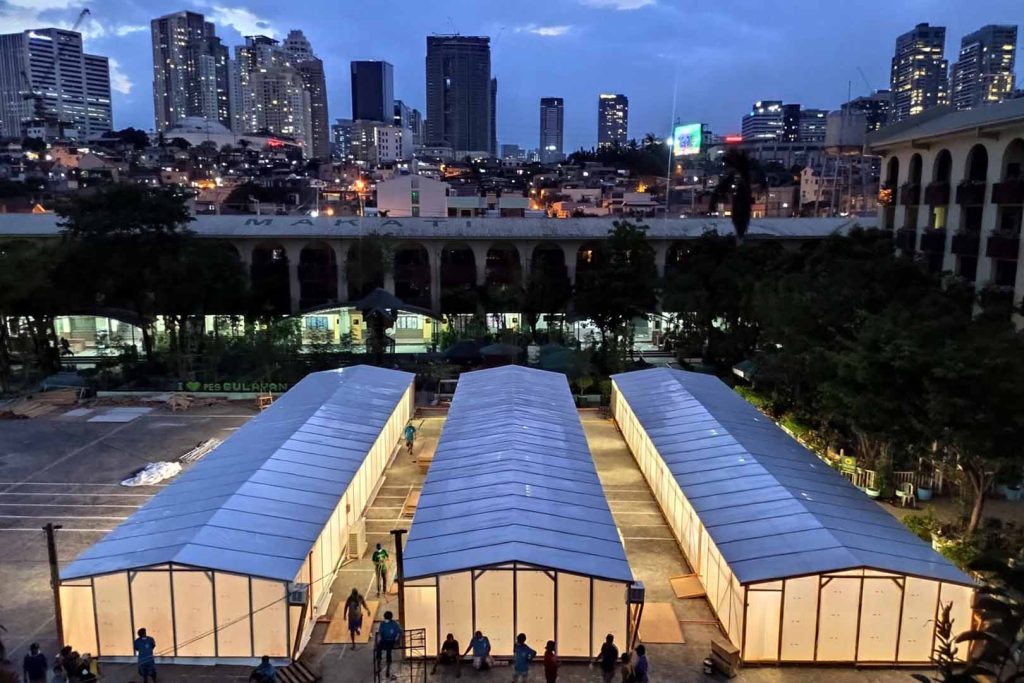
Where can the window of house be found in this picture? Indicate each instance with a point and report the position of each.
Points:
(316, 322)
(409, 322)
(415, 195)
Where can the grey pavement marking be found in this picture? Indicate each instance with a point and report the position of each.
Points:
(76, 494)
(71, 483)
(69, 505)
(56, 517)
(63, 529)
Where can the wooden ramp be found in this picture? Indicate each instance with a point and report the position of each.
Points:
(660, 624)
(687, 586)
(296, 672)
(410, 503)
(423, 451)
(337, 630)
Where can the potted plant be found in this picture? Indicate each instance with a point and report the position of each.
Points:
(944, 536)
(1009, 480)
(924, 487)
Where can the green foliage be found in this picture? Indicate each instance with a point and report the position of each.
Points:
(922, 525)
(759, 401)
(946, 653)
(649, 158)
(999, 638)
(743, 175)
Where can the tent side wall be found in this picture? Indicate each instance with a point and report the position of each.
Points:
(198, 613)
(724, 592)
(576, 611)
(321, 566)
(863, 616)
(859, 615)
(191, 613)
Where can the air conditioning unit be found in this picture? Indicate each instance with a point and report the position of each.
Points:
(357, 539)
(298, 594)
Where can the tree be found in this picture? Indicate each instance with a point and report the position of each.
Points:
(621, 287)
(547, 290)
(138, 139)
(999, 638)
(946, 653)
(370, 258)
(129, 229)
(975, 406)
(742, 177)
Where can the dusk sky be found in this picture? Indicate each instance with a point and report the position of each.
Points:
(726, 54)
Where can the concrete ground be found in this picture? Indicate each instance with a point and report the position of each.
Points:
(66, 470)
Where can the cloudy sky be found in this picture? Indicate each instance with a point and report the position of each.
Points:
(717, 56)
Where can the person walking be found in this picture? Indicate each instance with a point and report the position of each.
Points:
(481, 647)
(380, 568)
(144, 646)
(627, 671)
(410, 436)
(34, 667)
(551, 663)
(354, 606)
(522, 655)
(607, 658)
(264, 673)
(643, 667)
(389, 635)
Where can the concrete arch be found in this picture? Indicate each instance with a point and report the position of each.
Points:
(1012, 167)
(503, 278)
(977, 164)
(942, 169)
(269, 278)
(458, 278)
(318, 275)
(412, 274)
(365, 267)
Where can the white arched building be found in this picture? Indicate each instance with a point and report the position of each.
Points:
(952, 189)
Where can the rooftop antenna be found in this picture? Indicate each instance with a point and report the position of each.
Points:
(451, 25)
(81, 17)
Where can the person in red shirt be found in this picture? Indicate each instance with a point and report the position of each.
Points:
(550, 663)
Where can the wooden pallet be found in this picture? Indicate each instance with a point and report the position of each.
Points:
(297, 672)
(410, 503)
(423, 452)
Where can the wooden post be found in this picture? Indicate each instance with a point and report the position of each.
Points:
(399, 574)
(51, 551)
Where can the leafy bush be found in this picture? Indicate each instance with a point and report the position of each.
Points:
(759, 401)
(922, 525)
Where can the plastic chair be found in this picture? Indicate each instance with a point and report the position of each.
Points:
(906, 494)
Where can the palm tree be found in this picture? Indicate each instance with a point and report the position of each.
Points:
(743, 175)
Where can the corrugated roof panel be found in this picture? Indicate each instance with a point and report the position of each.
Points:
(512, 480)
(256, 503)
(772, 507)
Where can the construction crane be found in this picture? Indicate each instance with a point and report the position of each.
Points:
(81, 17)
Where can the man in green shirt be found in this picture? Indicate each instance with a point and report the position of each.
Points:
(380, 568)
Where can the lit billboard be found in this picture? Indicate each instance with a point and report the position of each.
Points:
(686, 139)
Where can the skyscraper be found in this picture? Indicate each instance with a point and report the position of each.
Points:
(790, 123)
(876, 108)
(49, 84)
(460, 93)
(190, 70)
(812, 125)
(919, 77)
(493, 148)
(766, 121)
(373, 91)
(311, 70)
(552, 117)
(275, 98)
(612, 120)
(983, 73)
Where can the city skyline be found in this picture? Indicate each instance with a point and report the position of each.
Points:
(581, 48)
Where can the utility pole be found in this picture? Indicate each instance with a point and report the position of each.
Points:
(51, 551)
(400, 574)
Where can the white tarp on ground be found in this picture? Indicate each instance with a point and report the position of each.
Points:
(772, 508)
(513, 480)
(257, 504)
(153, 473)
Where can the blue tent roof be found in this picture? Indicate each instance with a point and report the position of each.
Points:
(257, 503)
(773, 508)
(513, 480)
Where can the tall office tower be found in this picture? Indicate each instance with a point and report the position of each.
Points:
(311, 70)
(373, 91)
(790, 123)
(552, 125)
(983, 73)
(493, 149)
(460, 93)
(50, 86)
(812, 125)
(765, 121)
(919, 79)
(418, 126)
(876, 108)
(341, 139)
(612, 120)
(190, 70)
(275, 98)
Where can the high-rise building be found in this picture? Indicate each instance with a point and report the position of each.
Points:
(373, 91)
(409, 120)
(612, 120)
(766, 121)
(790, 123)
(376, 143)
(812, 125)
(49, 84)
(510, 152)
(460, 94)
(311, 69)
(552, 124)
(983, 73)
(341, 139)
(919, 78)
(275, 98)
(877, 108)
(190, 70)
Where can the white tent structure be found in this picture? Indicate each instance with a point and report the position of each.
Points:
(513, 533)
(235, 559)
(798, 564)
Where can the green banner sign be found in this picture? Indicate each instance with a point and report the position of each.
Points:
(234, 387)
